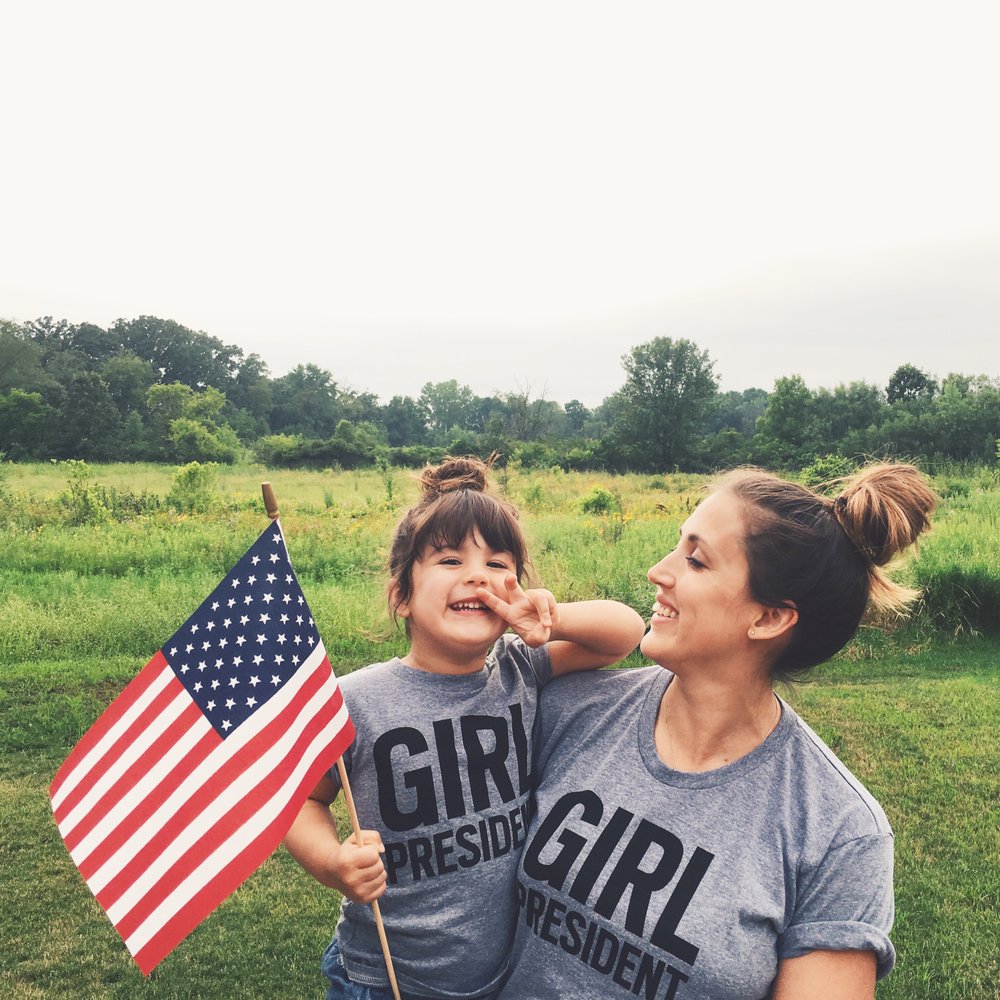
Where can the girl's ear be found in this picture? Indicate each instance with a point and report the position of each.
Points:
(773, 622)
(400, 608)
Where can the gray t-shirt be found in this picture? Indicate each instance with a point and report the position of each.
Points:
(441, 766)
(638, 880)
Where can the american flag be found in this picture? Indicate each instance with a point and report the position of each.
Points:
(193, 775)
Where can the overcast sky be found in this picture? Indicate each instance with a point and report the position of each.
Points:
(513, 194)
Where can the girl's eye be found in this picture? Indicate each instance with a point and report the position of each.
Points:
(449, 561)
(694, 563)
(497, 564)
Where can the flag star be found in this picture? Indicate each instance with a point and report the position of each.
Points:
(274, 557)
(275, 679)
(226, 724)
(226, 623)
(223, 643)
(194, 628)
(279, 659)
(206, 645)
(255, 680)
(237, 660)
(248, 599)
(298, 640)
(240, 639)
(197, 686)
(215, 605)
(231, 602)
(255, 560)
(236, 582)
(184, 669)
(202, 665)
(262, 638)
(218, 663)
(265, 618)
(230, 703)
(188, 648)
(312, 641)
(173, 651)
(310, 623)
(283, 619)
(296, 660)
(233, 682)
(210, 705)
(276, 538)
(251, 580)
(215, 683)
(281, 639)
(267, 598)
(210, 625)
(298, 619)
(244, 619)
(270, 578)
(251, 702)
(286, 598)
(288, 578)
(302, 600)
(258, 660)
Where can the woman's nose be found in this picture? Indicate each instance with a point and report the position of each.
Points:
(661, 572)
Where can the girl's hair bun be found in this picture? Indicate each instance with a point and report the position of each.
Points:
(454, 474)
(884, 508)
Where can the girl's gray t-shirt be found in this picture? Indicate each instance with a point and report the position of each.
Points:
(638, 880)
(441, 766)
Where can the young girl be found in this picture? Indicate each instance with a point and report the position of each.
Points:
(441, 766)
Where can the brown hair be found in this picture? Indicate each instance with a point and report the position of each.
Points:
(454, 503)
(826, 556)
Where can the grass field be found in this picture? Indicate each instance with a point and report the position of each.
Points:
(914, 712)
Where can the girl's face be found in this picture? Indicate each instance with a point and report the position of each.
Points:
(448, 624)
(703, 608)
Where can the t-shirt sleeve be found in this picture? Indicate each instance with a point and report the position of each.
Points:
(846, 903)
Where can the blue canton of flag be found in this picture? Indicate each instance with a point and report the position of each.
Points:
(247, 637)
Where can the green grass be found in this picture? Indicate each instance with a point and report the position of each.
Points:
(914, 713)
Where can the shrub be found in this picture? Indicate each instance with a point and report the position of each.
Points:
(193, 489)
(600, 501)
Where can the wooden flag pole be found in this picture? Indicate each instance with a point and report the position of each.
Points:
(271, 506)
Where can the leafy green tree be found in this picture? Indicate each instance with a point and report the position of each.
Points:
(784, 429)
(659, 413)
(21, 360)
(404, 421)
(305, 402)
(26, 425)
(908, 383)
(449, 407)
(88, 422)
(128, 379)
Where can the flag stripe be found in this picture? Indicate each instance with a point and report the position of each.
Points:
(236, 778)
(161, 714)
(109, 831)
(225, 760)
(240, 844)
(118, 717)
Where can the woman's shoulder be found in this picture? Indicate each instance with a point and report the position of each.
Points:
(829, 785)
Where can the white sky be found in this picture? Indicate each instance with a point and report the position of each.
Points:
(513, 194)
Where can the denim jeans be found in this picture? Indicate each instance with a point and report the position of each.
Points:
(342, 988)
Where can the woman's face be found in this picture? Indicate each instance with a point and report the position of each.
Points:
(703, 608)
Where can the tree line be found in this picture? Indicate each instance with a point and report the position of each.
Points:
(150, 389)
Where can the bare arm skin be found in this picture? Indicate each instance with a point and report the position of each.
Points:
(826, 975)
(354, 871)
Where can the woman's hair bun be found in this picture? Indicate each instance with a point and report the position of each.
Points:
(454, 474)
(884, 508)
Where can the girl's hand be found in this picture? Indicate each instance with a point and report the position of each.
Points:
(532, 614)
(358, 871)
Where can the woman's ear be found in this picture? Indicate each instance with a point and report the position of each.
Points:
(773, 622)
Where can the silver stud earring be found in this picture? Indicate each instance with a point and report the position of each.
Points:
(751, 633)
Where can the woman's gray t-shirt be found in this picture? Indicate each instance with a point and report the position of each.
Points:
(638, 880)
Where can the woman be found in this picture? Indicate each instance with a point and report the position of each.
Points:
(693, 837)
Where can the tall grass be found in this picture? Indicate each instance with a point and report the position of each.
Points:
(914, 711)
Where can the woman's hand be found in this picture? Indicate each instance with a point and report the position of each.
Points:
(532, 614)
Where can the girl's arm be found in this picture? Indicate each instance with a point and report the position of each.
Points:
(826, 975)
(354, 871)
(581, 635)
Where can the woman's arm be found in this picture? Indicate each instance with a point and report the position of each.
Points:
(826, 975)
(355, 871)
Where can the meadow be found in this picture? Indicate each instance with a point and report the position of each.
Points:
(98, 567)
